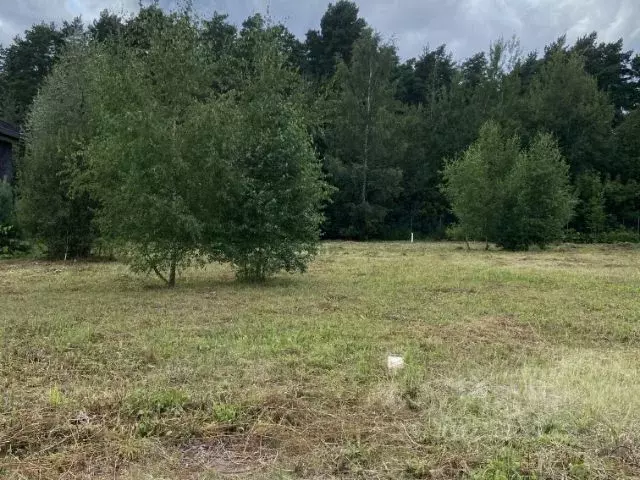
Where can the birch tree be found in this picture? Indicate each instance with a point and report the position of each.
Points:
(58, 127)
(156, 192)
(365, 143)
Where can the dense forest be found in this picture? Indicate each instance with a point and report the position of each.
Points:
(385, 131)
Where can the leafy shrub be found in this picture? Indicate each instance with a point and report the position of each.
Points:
(511, 196)
(621, 235)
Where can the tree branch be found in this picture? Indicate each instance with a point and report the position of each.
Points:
(155, 269)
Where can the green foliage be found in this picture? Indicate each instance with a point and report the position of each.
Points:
(621, 235)
(144, 164)
(536, 201)
(566, 102)
(6, 202)
(226, 413)
(613, 70)
(612, 236)
(421, 80)
(218, 34)
(627, 158)
(623, 199)
(143, 404)
(513, 197)
(10, 240)
(273, 215)
(363, 141)
(383, 128)
(340, 29)
(106, 27)
(58, 127)
(24, 66)
(474, 183)
(186, 175)
(507, 466)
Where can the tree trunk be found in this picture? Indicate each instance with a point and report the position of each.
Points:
(172, 274)
(66, 246)
(159, 274)
(366, 134)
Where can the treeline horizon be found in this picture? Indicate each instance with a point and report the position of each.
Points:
(384, 129)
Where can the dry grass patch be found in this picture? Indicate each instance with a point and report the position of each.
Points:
(519, 366)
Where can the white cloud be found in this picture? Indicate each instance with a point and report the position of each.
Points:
(466, 26)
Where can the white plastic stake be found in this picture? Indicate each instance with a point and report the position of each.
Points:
(411, 237)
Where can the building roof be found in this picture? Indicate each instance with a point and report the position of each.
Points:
(9, 130)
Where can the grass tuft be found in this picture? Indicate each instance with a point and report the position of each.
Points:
(518, 366)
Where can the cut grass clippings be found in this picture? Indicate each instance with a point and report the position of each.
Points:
(518, 366)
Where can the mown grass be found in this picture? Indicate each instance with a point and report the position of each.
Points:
(519, 366)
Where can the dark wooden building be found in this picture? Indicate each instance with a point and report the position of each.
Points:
(9, 137)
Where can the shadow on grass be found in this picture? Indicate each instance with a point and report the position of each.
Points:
(220, 282)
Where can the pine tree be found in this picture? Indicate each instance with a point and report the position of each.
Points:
(565, 101)
(364, 150)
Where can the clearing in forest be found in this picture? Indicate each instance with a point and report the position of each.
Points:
(518, 365)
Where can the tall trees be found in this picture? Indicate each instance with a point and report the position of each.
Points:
(383, 128)
(57, 129)
(590, 215)
(622, 191)
(455, 102)
(565, 101)
(364, 141)
(146, 177)
(107, 26)
(219, 34)
(23, 67)
(340, 27)
(272, 213)
(627, 158)
(612, 69)
(427, 76)
(474, 182)
(253, 30)
(537, 201)
(184, 173)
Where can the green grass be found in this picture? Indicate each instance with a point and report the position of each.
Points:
(518, 366)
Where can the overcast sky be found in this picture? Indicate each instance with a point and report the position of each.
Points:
(466, 26)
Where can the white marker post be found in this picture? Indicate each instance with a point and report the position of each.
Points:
(411, 237)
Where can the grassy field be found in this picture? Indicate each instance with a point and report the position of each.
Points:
(518, 366)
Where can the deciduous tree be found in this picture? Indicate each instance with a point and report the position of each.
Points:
(58, 127)
(364, 141)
